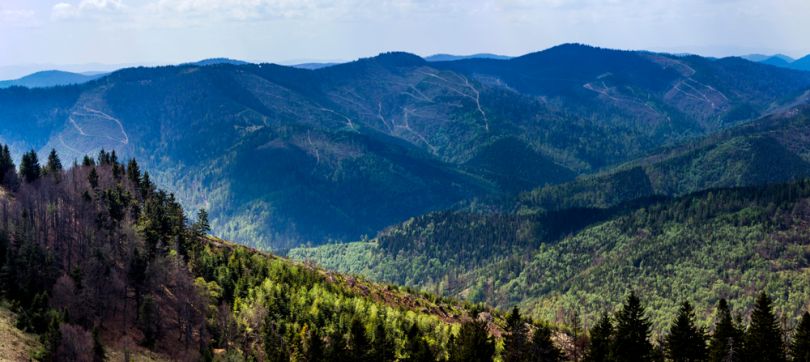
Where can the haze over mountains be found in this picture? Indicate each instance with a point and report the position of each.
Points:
(283, 156)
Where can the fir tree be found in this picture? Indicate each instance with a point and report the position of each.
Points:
(516, 338)
(601, 340)
(726, 342)
(800, 346)
(30, 170)
(631, 342)
(686, 342)
(763, 340)
(473, 343)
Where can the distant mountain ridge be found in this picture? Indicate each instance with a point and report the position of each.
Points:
(283, 156)
(781, 60)
(451, 57)
(51, 78)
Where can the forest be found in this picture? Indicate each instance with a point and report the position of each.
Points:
(95, 257)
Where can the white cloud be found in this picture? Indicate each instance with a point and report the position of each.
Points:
(64, 10)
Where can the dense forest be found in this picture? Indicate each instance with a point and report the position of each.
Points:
(95, 257)
(721, 243)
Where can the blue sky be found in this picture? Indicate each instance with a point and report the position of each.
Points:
(170, 31)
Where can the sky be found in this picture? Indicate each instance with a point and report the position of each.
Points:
(124, 32)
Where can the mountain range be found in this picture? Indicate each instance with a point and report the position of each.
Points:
(781, 60)
(283, 156)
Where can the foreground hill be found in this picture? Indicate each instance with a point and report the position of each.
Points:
(284, 156)
(97, 261)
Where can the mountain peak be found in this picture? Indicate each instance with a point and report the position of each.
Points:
(398, 59)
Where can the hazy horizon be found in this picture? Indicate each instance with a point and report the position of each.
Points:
(284, 31)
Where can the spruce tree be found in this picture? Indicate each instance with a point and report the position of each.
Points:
(726, 341)
(763, 340)
(7, 167)
(473, 343)
(30, 170)
(516, 338)
(54, 165)
(542, 349)
(632, 333)
(686, 342)
(601, 340)
(800, 346)
(134, 172)
(92, 178)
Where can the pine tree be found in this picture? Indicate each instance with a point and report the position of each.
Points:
(516, 339)
(800, 346)
(473, 343)
(632, 333)
(686, 342)
(763, 340)
(542, 349)
(601, 340)
(726, 341)
(30, 169)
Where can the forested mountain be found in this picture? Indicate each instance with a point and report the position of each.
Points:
(773, 149)
(722, 243)
(282, 156)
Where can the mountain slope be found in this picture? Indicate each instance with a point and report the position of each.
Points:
(249, 141)
(769, 150)
(727, 243)
(115, 256)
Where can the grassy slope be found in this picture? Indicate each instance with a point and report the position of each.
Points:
(15, 345)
